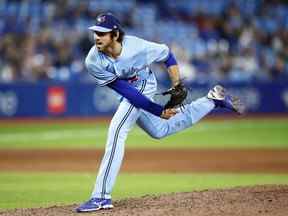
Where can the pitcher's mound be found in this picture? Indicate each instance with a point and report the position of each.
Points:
(265, 200)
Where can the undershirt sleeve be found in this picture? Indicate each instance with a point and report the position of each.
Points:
(135, 97)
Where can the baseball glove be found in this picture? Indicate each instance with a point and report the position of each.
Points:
(178, 95)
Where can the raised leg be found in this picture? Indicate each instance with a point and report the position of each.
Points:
(189, 115)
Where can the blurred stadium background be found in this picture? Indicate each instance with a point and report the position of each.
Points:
(242, 44)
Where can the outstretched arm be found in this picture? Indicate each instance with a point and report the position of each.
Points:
(138, 100)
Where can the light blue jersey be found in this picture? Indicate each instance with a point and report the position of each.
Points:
(135, 59)
(136, 56)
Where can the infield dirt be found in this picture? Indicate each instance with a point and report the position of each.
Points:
(150, 160)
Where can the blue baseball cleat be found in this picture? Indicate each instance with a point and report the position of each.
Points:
(223, 99)
(95, 204)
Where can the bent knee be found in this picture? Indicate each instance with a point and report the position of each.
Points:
(158, 135)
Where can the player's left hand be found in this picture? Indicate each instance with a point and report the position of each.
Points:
(178, 95)
(168, 113)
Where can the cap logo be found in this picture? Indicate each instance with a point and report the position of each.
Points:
(101, 19)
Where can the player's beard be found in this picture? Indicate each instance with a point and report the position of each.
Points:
(100, 46)
(104, 46)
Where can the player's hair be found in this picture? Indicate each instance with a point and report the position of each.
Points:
(121, 34)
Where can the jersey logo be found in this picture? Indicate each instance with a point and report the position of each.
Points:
(133, 70)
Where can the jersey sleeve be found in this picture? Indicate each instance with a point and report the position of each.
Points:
(98, 71)
(156, 52)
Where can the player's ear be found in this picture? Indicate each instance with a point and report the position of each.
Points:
(115, 35)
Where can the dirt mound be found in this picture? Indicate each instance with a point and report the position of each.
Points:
(258, 200)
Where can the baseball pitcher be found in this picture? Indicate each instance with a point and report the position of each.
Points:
(122, 62)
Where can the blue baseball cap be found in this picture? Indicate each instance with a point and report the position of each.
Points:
(105, 23)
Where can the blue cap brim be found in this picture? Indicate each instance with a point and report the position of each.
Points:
(99, 29)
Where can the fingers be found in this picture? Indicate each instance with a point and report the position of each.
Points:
(168, 113)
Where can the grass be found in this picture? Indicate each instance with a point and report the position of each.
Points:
(242, 133)
(24, 190)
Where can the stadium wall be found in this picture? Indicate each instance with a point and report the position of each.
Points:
(77, 99)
